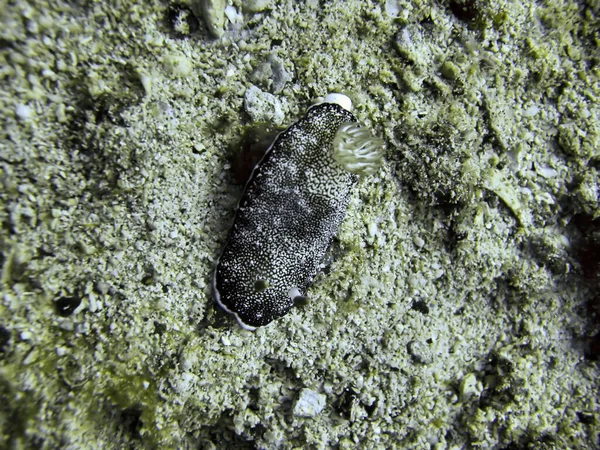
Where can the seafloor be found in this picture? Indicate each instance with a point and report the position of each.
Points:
(457, 310)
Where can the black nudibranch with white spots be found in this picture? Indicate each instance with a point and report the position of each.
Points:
(291, 210)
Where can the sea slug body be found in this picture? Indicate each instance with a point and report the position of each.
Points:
(291, 210)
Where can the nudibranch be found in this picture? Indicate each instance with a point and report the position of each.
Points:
(291, 209)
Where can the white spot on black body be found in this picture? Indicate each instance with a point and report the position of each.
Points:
(291, 210)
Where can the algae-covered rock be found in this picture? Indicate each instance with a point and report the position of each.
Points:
(457, 306)
(256, 5)
(262, 106)
(309, 403)
(212, 12)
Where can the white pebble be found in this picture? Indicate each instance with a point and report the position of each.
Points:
(418, 242)
(372, 229)
(23, 112)
(546, 172)
(392, 8)
(309, 403)
(231, 13)
(25, 335)
(469, 387)
(531, 111)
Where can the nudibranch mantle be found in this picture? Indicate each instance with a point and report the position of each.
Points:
(291, 209)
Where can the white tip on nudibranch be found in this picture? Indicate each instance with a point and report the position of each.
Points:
(339, 99)
(357, 150)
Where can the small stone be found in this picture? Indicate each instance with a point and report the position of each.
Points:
(420, 352)
(262, 106)
(309, 403)
(213, 14)
(183, 383)
(271, 75)
(102, 287)
(93, 304)
(61, 114)
(26, 335)
(418, 242)
(256, 5)
(406, 40)
(531, 111)
(469, 387)
(274, 437)
(146, 81)
(82, 328)
(24, 112)
(392, 8)
(232, 14)
(177, 65)
(66, 325)
(546, 172)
